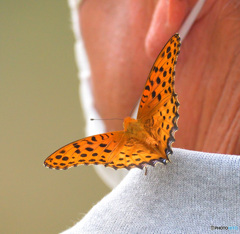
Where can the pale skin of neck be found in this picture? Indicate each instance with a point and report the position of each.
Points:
(121, 52)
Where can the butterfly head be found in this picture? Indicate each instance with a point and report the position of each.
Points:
(129, 123)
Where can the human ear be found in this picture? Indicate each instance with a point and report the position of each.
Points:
(167, 19)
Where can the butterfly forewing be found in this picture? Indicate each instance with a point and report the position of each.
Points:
(158, 109)
(98, 149)
(159, 86)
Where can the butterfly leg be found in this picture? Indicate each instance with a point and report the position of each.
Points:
(145, 170)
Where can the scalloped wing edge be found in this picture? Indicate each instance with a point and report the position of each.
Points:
(171, 139)
(152, 162)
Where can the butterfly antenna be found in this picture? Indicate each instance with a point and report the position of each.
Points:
(92, 119)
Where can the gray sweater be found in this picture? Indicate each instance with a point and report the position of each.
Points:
(196, 193)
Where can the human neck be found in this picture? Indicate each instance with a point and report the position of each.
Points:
(210, 92)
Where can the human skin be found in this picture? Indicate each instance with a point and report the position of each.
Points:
(122, 40)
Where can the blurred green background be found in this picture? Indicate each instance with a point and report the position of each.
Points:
(40, 112)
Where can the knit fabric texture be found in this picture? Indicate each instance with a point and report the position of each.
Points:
(195, 193)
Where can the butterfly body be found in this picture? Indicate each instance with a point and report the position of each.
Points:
(136, 130)
(145, 140)
(134, 127)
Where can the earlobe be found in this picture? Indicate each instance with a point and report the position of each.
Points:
(167, 19)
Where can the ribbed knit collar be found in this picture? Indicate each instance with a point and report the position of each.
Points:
(195, 192)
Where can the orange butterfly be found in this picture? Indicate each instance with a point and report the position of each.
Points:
(145, 140)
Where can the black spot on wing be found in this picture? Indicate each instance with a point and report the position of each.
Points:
(153, 94)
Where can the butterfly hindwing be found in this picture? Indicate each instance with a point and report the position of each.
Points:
(134, 153)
